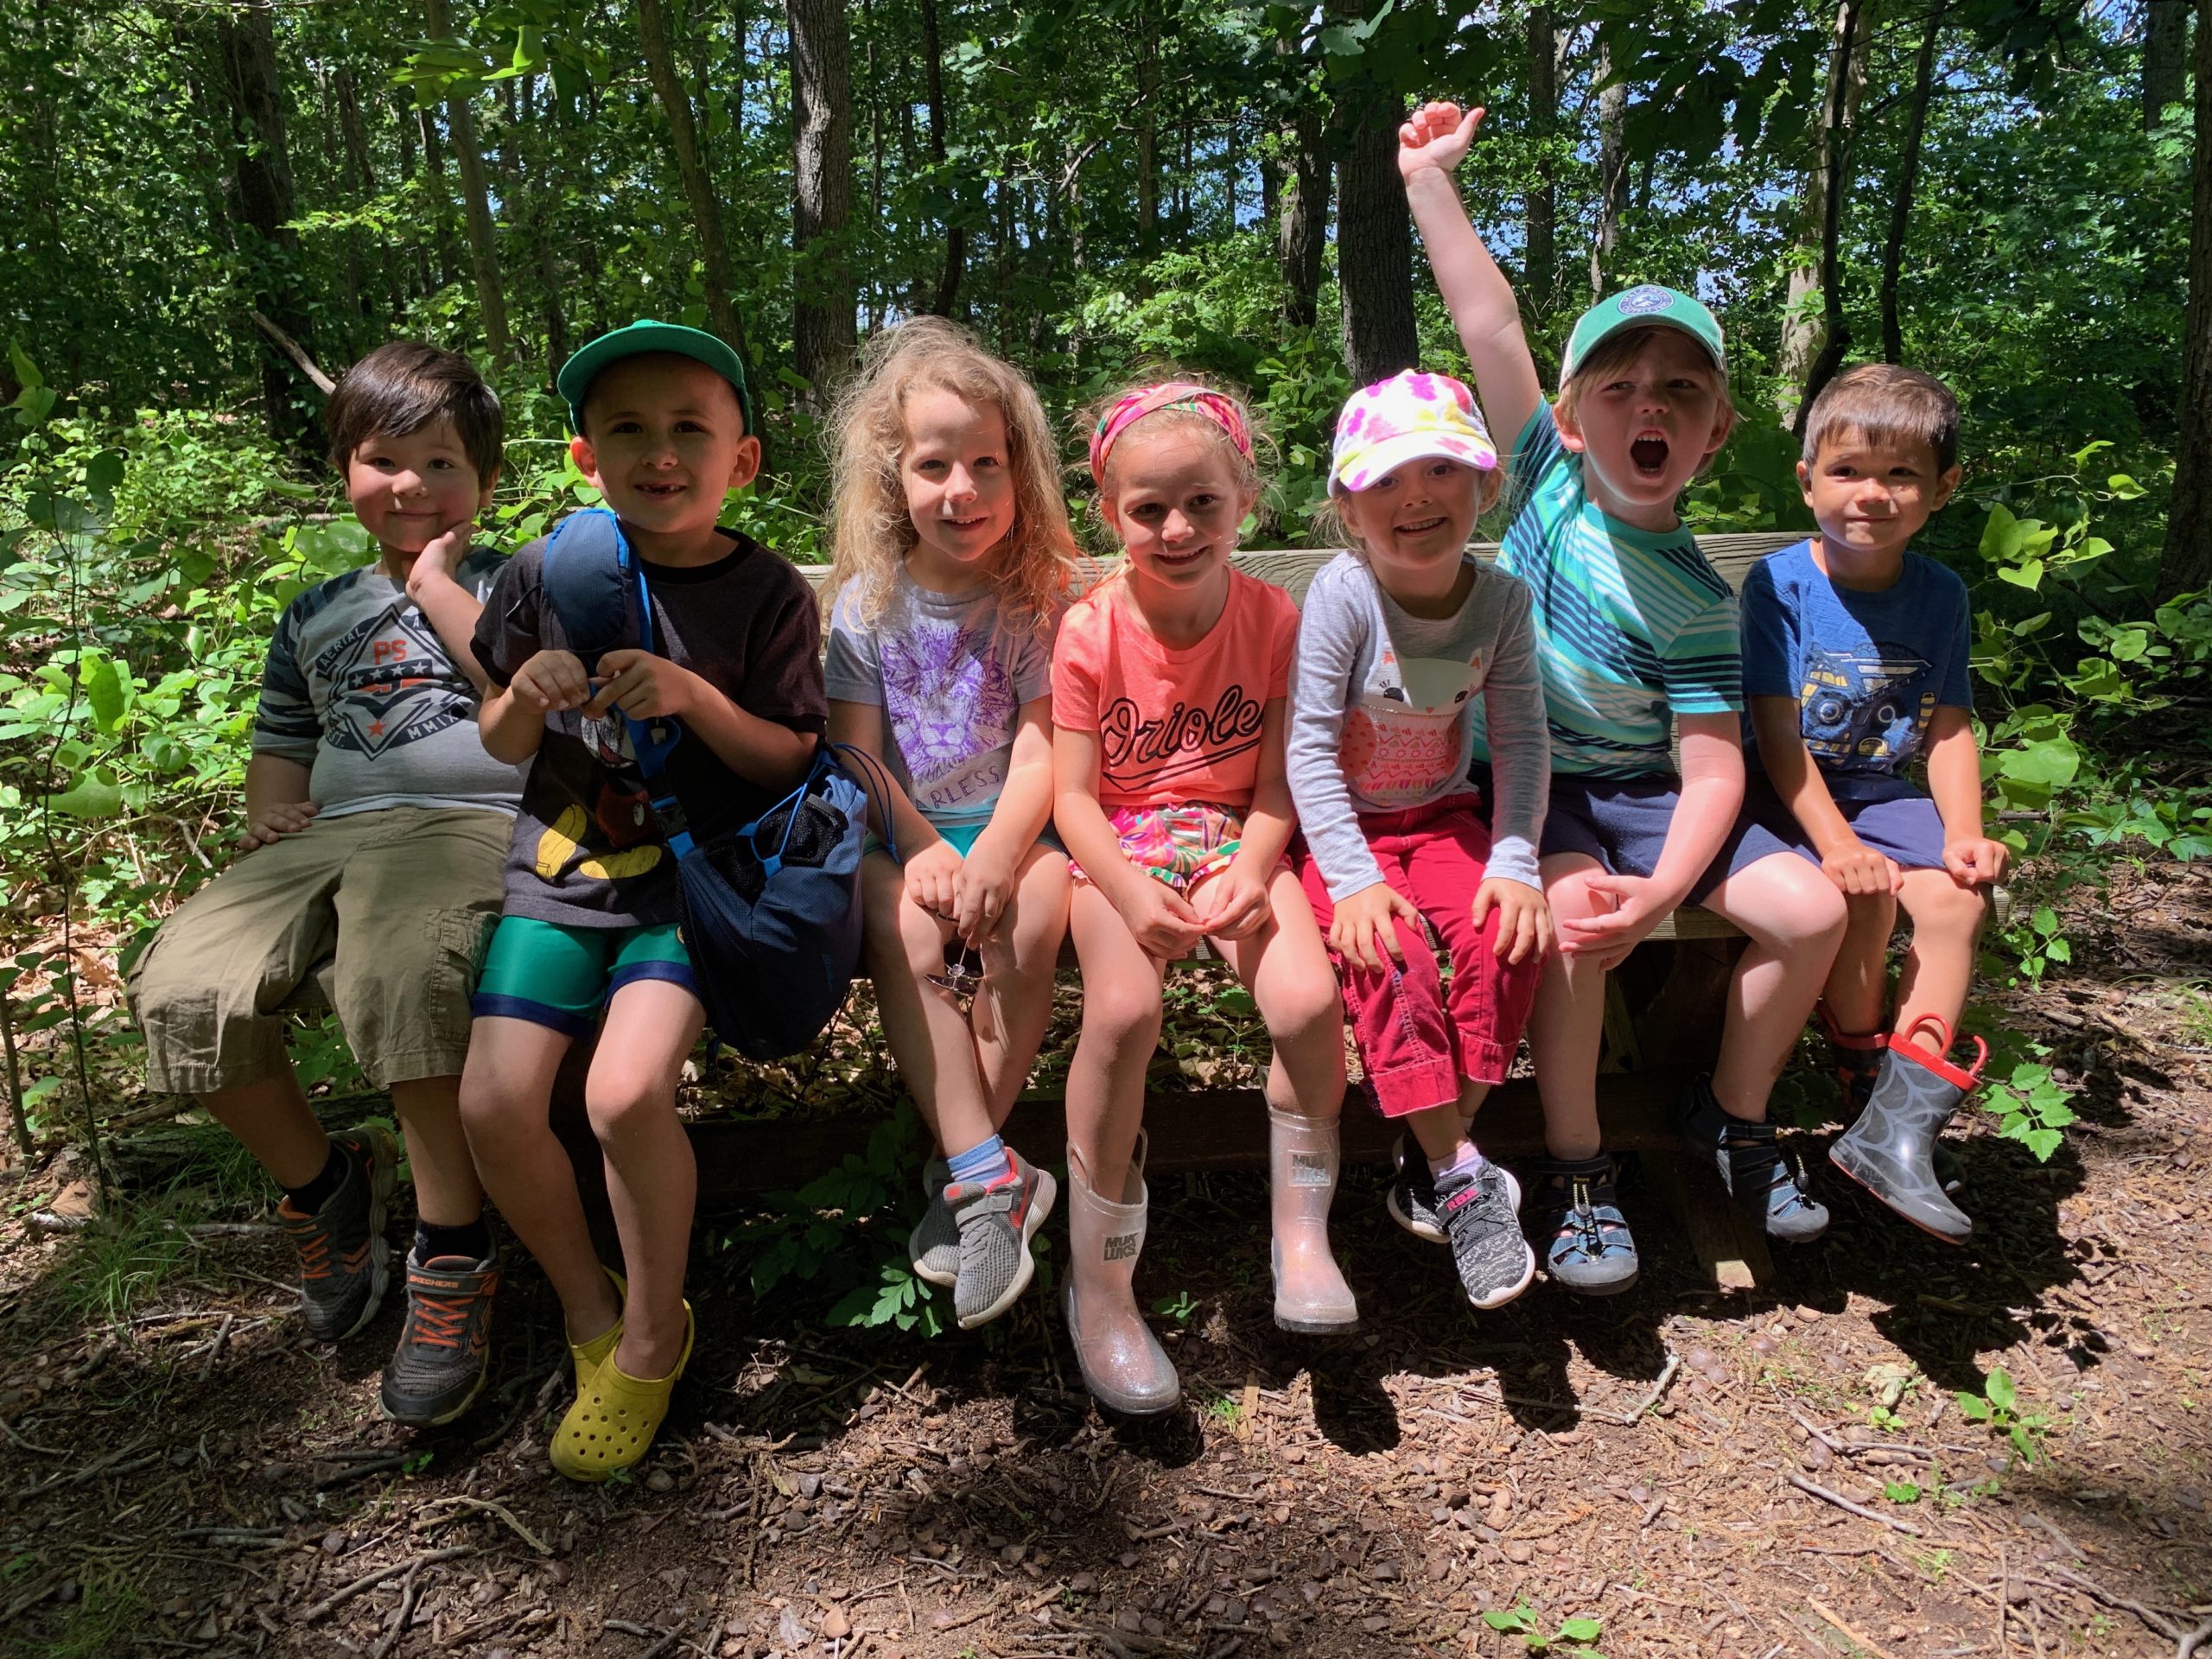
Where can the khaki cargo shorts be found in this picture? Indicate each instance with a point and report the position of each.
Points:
(400, 902)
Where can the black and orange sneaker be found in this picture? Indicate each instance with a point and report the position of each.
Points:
(345, 1264)
(441, 1361)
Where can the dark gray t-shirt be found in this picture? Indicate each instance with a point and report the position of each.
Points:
(587, 850)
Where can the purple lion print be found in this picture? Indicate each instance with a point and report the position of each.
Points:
(949, 699)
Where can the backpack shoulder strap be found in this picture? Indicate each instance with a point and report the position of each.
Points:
(596, 585)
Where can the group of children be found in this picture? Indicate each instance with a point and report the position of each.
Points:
(444, 800)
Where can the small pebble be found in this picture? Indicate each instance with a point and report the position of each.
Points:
(834, 1625)
(333, 1543)
(1519, 1554)
(660, 1481)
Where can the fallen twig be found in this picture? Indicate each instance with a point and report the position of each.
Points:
(1821, 1492)
(215, 1345)
(113, 1464)
(488, 1507)
(1865, 1642)
(344, 1593)
(2193, 1640)
(43, 1451)
(1630, 1419)
(2157, 1621)
(410, 1594)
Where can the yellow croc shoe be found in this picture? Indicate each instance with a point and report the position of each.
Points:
(590, 1356)
(615, 1416)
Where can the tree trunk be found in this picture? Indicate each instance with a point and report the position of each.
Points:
(1612, 171)
(476, 204)
(1923, 80)
(1148, 125)
(2165, 56)
(1374, 250)
(1540, 205)
(1302, 230)
(2186, 566)
(956, 234)
(434, 179)
(261, 174)
(1813, 300)
(720, 280)
(821, 189)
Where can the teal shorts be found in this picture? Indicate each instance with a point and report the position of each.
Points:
(561, 976)
(963, 838)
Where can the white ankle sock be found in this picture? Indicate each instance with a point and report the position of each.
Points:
(1471, 1160)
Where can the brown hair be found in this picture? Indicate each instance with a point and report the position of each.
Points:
(402, 387)
(870, 533)
(1615, 353)
(1886, 403)
(1202, 429)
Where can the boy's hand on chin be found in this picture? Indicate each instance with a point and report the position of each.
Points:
(442, 557)
(1435, 135)
(641, 685)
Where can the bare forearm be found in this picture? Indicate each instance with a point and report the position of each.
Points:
(1267, 826)
(1481, 303)
(1954, 782)
(1796, 777)
(1705, 811)
(452, 611)
(1025, 804)
(510, 725)
(271, 781)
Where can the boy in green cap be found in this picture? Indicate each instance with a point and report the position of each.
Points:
(663, 430)
(1638, 633)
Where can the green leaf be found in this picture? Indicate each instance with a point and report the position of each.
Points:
(2049, 761)
(2123, 486)
(103, 475)
(88, 798)
(104, 689)
(1581, 1629)
(2028, 576)
(1999, 1389)
(1900, 1492)
(33, 403)
(2042, 1143)
(2002, 538)
(26, 370)
(1974, 1406)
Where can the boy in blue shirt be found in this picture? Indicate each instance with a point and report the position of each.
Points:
(1855, 665)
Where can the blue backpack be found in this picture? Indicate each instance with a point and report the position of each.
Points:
(772, 910)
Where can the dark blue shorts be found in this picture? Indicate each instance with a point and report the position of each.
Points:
(1623, 823)
(1903, 826)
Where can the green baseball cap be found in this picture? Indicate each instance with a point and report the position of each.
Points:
(579, 371)
(1638, 307)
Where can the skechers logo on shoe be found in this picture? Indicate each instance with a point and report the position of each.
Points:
(1309, 1169)
(1122, 1247)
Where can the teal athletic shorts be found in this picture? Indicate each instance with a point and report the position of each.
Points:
(560, 977)
(963, 838)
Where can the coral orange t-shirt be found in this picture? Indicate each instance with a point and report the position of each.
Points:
(1174, 726)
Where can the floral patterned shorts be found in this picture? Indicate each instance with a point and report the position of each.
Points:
(1180, 845)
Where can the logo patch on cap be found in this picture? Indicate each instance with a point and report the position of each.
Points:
(1642, 302)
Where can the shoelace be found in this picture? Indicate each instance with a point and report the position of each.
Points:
(436, 1320)
(313, 1245)
(1581, 1211)
(1750, 1153)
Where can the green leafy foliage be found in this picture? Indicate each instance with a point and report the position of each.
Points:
(1573, 1637)
(1997, 1407)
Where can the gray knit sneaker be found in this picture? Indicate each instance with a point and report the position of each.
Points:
(996, 1220)
(1481, 1215)
(933, 1246)
(345, 1264)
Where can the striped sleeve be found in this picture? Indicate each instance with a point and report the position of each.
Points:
(286, 723)
(1702, 665)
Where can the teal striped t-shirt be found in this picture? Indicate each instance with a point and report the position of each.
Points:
(1633, 627)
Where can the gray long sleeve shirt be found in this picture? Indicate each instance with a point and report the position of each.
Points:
(1379, 702)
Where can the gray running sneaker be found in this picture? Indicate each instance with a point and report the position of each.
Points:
(345, 1264)
(444, 1353)
(1481, 1215)
(934, 1245)
(1412, 1201)
(996, 1220)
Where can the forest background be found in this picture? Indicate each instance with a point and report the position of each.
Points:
(206, 209)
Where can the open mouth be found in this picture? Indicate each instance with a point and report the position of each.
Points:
(976, 523)
(1178, 561)
(1422, 526)
(1648, 454)
(661, 491)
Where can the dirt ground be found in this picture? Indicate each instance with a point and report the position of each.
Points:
(203, 1480)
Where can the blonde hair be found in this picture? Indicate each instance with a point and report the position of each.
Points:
(1615, 353)
(870, 532)
(1244, 470)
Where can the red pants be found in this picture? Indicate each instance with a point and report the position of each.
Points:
(1417, 1039)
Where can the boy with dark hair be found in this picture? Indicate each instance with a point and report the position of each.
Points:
(375, 826)
(663, 426)
(1855, 665)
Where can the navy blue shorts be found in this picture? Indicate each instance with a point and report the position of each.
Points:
(1622, 823)
(1903, 826)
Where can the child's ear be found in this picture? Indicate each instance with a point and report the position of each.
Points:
(587, 458)
(1945, 487)
(491, 483)
(745, 466)
(1805, 482)
(1723, 424)
(1570, 434)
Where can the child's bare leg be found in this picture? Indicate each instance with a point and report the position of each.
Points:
(506, 1091)
(446, 1191)
(1568, 1022)
(929, 1035)
(272, 1119)
(1445, 1132)
(1795, 917)
(1016, 1004)
(1122, 1013)
(651, 1179)
(1947, 919)
(1857, 984)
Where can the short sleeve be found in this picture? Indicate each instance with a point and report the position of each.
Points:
(1029, 660)
(853, 670)
(1076, 668)
(1957, 672)
(508, 629)
(284, 723)
(1536, 450)
(1702, 666)
(1770, 637)
(783, 675)
(1282, 640)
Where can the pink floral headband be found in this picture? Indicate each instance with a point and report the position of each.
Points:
(1221, 409)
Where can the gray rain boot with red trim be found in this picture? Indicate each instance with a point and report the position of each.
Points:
(1889, 1151)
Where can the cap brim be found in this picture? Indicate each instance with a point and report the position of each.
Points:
(1622, 325)
(637, 340)
(1380, 460)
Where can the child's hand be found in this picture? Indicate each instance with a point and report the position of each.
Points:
(1364, 930)
(1233, 905)
(1862, 872)
(1158, 918)
(443, 556)
(933, 879)
(284, 819)
(553, 679)
(1435, 135)
(1525, 919)
(1976, 860)
(980, 893)
(642, 685)
(1605, 939)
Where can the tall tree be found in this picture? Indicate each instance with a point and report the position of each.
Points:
(822, 192)
(955, 232)
(2186, 566)
(1924, 81)
(1375, 243)
(475, 201)
(1612, 169)
(685, 138)
(1540, 202)
(1814, 305)
(2165, 56)
(1148, 126)
(1303, 229)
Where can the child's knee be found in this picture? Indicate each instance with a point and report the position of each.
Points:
(1309, 1002)
(1790, 902)
(1128, 1012)
(620, 1108)
(492, 1110)
(1940, 908)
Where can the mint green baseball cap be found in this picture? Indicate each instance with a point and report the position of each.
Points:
(579, 371)
(1638, 307)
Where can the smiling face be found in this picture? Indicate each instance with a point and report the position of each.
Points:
(1645, 426)
(1413, 522)
(1871, 495)
(959, 489)
(1173, 496)
(664, 443)
(409, 491)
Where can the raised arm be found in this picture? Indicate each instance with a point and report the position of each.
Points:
(1433, 141)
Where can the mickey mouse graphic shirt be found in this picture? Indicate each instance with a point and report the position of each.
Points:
(1867, 671)
(359, 689)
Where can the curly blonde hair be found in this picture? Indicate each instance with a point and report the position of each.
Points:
(1247, 470)
(870, 532)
